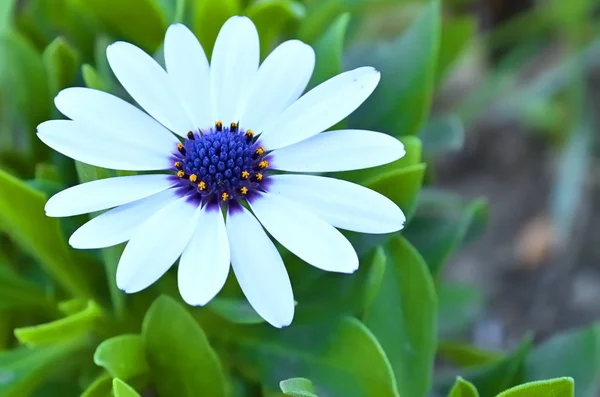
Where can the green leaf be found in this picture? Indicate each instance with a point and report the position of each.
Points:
(443, 134)
(322, 354)
(122, 389)
(319, 16)
(17, 292)
(92, 79)
(403, 317)
(178, 351)
(329, 49)
(66, 328)
(61, 61)
(270, 17)
(100, 387)
(22, 217)
(462, 388)
(6, 11)
(138, 21)
(456, 33)
(466, 356)
(209, 16)
(237, 311)
(574, 353)
(123, 356)
(377, 271)
(402, 101)
(459, 305)
(297, 387)
(561, 387)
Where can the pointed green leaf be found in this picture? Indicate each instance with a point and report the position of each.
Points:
(561, 387)
(235, 310)
(62, 62)
(209, 16)
(297, 387)
(92, 79)
(329, 49)
(122, 389)
(403, 317)
(22, 217)
(462, 388)
(402, 101)
(178, 351)
(123, 356)
(456, 33)
(100, 387)
(466, 356)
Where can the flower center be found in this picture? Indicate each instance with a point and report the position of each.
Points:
(223, 163)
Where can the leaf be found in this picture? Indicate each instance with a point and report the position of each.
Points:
(466, 356)
(122, 389)
(17, 292)
(462, 388)
(402, 101)
(63, 329)
(459, 305)
(178, 351)
(209, 16)
(6, 11)
(574, 353)
(561, 387)
(297, 387)
(100, 387)
(455, 35)
(329, 49)
(61, 61)
(442, 134)
(377, 272)
(237, 311)
(22, 217)
(403, 317)
(122, 356)
(320, 353)
(92, 79)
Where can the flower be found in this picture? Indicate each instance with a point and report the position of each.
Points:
(237, 129)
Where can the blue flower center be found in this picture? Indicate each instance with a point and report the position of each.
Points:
(223, 163)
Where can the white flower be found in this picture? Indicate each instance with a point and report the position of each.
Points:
(236, 126)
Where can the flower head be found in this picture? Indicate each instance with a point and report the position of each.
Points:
(223, 137)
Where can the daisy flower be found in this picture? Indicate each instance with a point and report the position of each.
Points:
(229, 144)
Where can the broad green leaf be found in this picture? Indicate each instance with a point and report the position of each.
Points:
(6, 11)
(92, 79)
(319, 16)
(22, 217)
(341, 359)
(329, 49)
(138, 21)
(443, 134)
(377, 271)
(297, 387)
(466, 356)
(561, 387)
(209, 16)
(401, 103)
(122, 389)
(17, 292)
(270, 17)
(462, 388)
(459, 305)
(178, 351)
(235, 310)
(123, 356)
(61, 61)
(455, 35)
(403, 317)
(574, 353)
(100, 387)
(66, 328)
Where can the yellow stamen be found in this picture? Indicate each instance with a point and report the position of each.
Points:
(219, 125)
(249, 133)
(263, 164)
(202, 185)
(190, 135)
(180, 173)
(177, 165)
(224, 196)
(260, 151)
(193, 178)
(234, 126)
(245, 174)
(244, 190)
(259, 177)
(181, 148)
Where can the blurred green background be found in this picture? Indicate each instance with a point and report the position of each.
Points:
(495, 277)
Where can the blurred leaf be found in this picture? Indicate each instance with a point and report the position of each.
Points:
(17, 292)
(455, 34)
(6, 11)
(329, 48)
(403, 317)
(561, 387)
(92, 79)
(319, 16)
(459, 305)
(66, 328)
(341, 359)
(100, 387)
(172, 10)
(177, 351)
(139, 21)
(462, 388)
(22, 217)
(122, 356)
(401, 103)
(270, 17)
(377, 271)
(442, 134)
(122, 389)
(237, 311)
(61, 61)
(466, 356)
(573, 353)
(209, 16)
(297, 387)
(441, 224)
(72, 306)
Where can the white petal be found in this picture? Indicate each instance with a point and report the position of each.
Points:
(343, 204)
(259, 269)
(114, 116)
(147, 82)
(340, 150)
(233, 66)
(189, 72)
(321, 107)
(118, 225)
(204, 264)
(93, 146)
(306, 235)
(280, 80)
(106, 193)
(156, 245)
